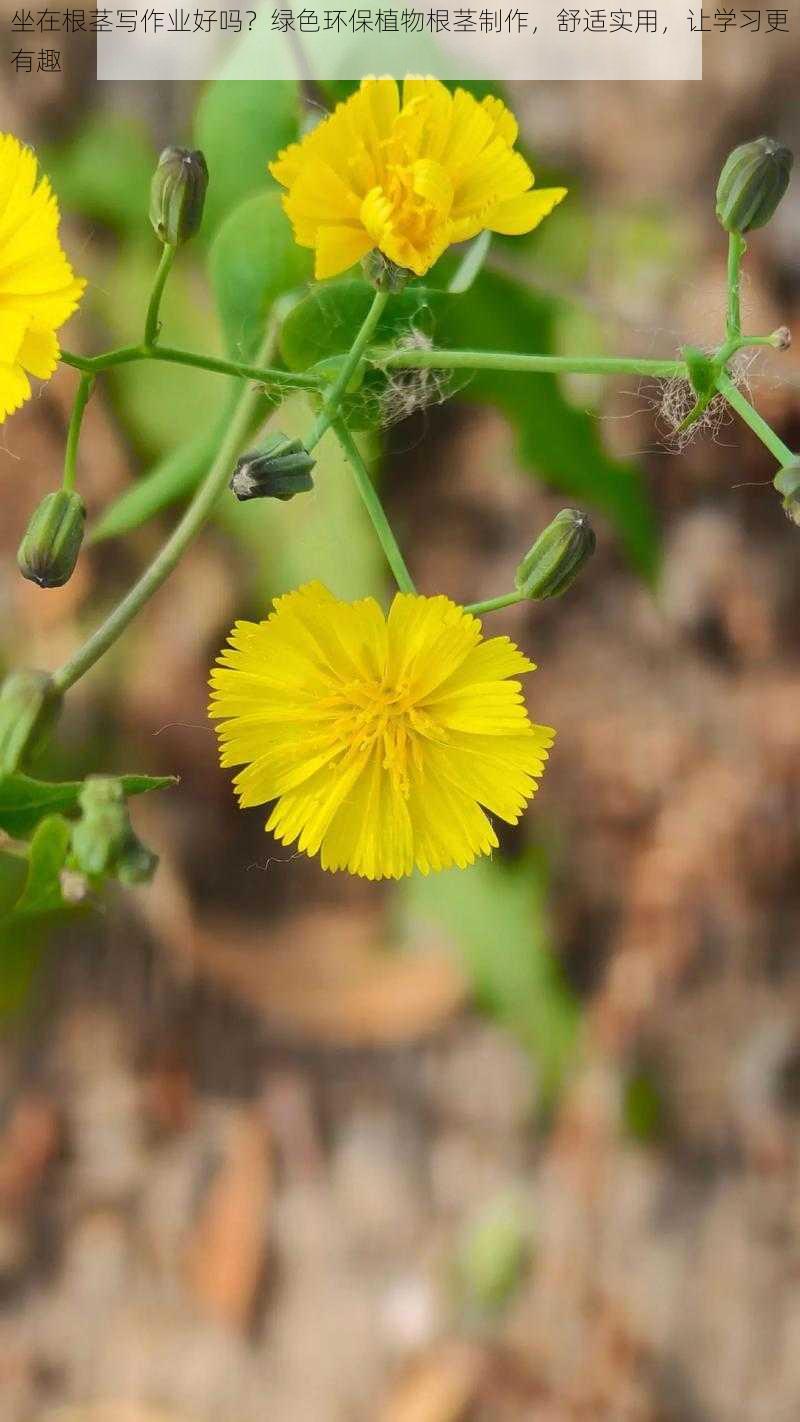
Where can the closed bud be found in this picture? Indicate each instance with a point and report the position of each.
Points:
(787, 483)
(383, 274)
(49, 549)
(99, 836)
(29, 706)
(280, 469)
(557, 556)
(177, 195)
(753, 180)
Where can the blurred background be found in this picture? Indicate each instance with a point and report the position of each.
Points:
(519, 1144)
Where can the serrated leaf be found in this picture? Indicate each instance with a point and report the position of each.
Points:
(556, 440)
(241, 125)
(253, 261)
(24, 801)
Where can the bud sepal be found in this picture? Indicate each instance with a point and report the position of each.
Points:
(280, 469)
(29, 707)
(52, 541)
(557, 556)
(787, 483)
(178, 194)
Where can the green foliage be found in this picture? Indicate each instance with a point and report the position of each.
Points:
(240, 126)
(105, 171)
(25, 802)
(490, 1260)
(27, 913)
(495, 915)
(254, 260)
(642, 1107)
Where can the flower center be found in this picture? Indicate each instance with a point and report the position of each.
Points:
(374, 716)
(414, 216)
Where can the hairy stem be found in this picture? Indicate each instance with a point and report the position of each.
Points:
(332, 401)
(757, 423)
(374, 507)
(82, 394)
(124, 355)
(169, 555)
(542, 364)
(151, 325)
(736, 250)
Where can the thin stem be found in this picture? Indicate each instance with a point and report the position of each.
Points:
(151, 320)
(757, 423)
(82, 394)
(511, 360)
(493, 604)
(736, 250)
(169, 555)
(352, 360)
(123, 355)
(374, 508)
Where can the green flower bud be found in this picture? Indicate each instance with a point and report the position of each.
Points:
(383, 274)
(753, 180)
(29, 706)
(177, 195)
(99, 836)
(49, 549)
(787, 483)
(280, 469)
(557, 556)
(103, 841)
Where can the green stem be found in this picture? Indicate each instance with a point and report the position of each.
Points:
(543, 364)
(154, 306)
(124, 355)
(493, 604)
(757, 423)
(352, 360)
(374, 508)
(736, 250)
(82, 395)
(169, 555)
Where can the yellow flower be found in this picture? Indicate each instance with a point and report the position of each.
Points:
(38, 289)
(379, 737)
(407, 176)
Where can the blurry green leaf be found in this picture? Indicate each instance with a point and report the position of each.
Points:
(471, 263)
(642, 1107)
(240, 126)
(491, 1257)
(39, 904)
(253, 261)
(104, 171)
(24, 802)
(556, 439)
(496, 917)
(13, 870)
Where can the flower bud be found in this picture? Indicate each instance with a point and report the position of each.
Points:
(103, 841)
(753, 180)
(383, 274)
(29, 706)
(280, 469)
(49, 549)
(177, 195)
(557, 556)
(787, 483)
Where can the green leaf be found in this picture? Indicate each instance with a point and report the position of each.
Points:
(556, 440)
(326, 321)
(496, 917)
(253, 261)
(104, 172)
(470, 265)
(24, 802)
(240, 126)
(39, 904)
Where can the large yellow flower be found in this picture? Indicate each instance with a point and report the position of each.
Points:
(38, 288)
(408, 176)
(379, 737)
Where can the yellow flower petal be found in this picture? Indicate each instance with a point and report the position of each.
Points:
(413, 170)
(38, 289)
(382, 740)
